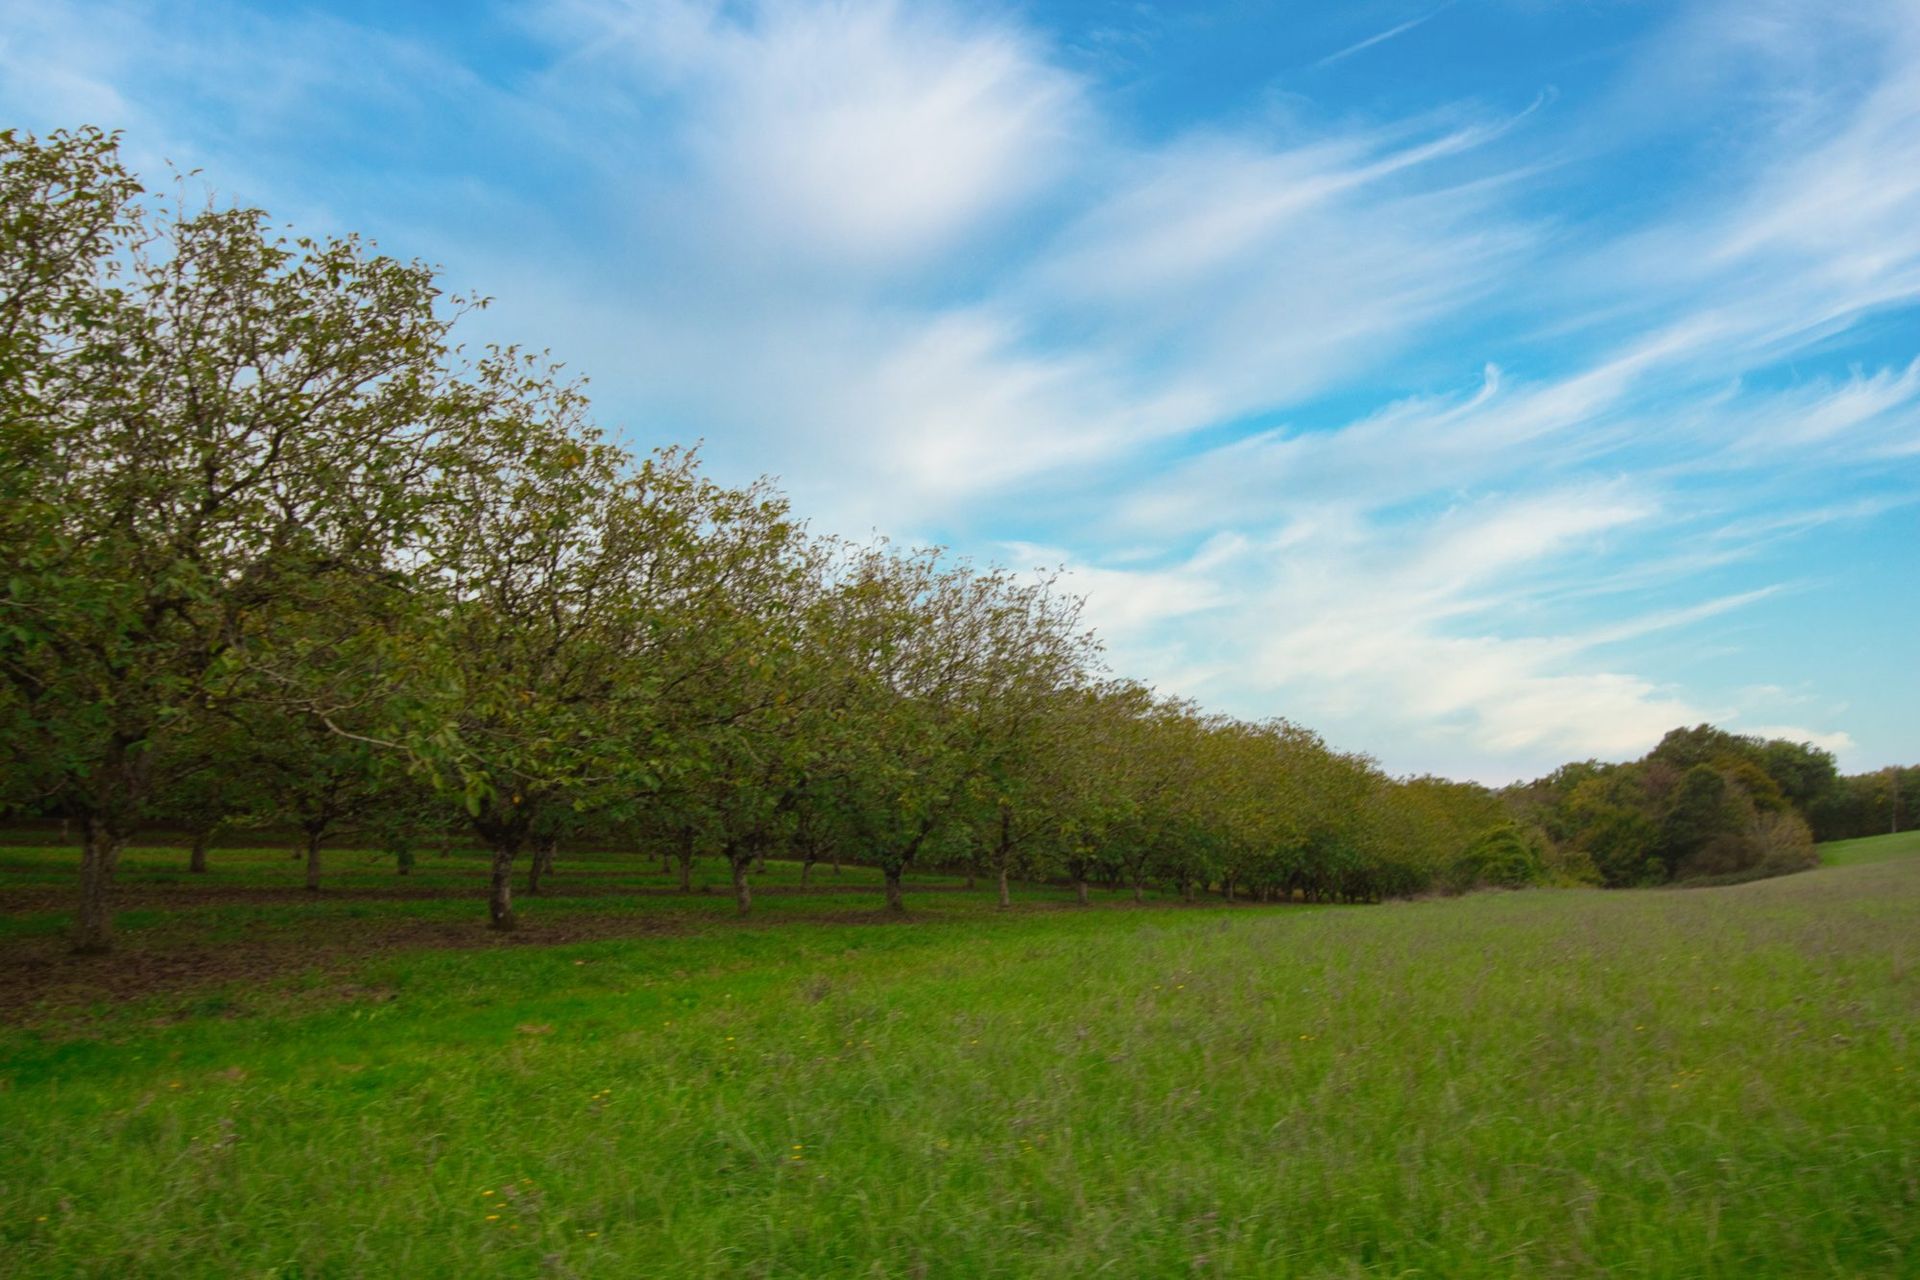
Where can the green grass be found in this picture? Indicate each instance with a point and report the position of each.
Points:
(1718, 1082)
(1846, 853)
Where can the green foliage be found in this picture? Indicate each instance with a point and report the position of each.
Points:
(1509, 856)
(1703, 804)
(1867, 804)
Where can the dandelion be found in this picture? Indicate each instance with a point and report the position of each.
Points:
(592, 1234)
(486, 1193)
(493, 1217)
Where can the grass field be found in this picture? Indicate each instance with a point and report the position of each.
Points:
(1716, 1082)
(1846, 853)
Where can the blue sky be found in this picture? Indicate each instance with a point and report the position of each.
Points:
(1485, 385)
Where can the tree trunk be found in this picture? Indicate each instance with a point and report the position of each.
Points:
(1139, 894)
(806, 870)
(99, 855)
(686, 859)
(895, 901)
(500, 915)
(1006, 899)
(666, 864)
(970, 876)
(197, 859)
(1226, 888)
(313, 861)
(1080, 890)
(541, 863)
(742, 891)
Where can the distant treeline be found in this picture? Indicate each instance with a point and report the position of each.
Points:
(1707, 803)
(276, 553)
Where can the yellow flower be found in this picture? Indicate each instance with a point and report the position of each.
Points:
(492, 1216)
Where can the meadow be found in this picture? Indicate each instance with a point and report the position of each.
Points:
(264, 1082)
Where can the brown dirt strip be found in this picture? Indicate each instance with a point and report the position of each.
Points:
(38, 898)
(40, 976)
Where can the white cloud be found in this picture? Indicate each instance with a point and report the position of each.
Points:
(864, 136)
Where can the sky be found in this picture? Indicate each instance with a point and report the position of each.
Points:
(1484, 385)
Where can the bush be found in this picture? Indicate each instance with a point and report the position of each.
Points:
(1509, 856)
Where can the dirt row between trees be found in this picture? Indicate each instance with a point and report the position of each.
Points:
(41, 978)
(191, 893)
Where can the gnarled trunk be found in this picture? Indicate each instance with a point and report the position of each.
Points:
(1080, 890)
(742, 891)
(500, 915)
(197, 857)
(313, 861)
(541, 863)
(99, 855)
(806, 870)
(896, 901)
(686, 859)
(1006, 899)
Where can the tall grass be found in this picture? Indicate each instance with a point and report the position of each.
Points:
(1711, 1083)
